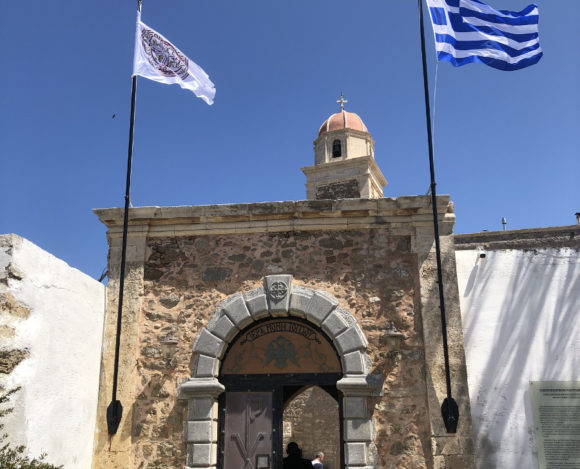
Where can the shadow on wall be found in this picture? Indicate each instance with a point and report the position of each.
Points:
(525, 304)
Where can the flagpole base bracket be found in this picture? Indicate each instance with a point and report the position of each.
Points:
(450, 414)
(114, 415)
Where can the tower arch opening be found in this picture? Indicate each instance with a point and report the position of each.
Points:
(336, 149)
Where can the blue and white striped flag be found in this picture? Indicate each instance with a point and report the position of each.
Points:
(469, 31)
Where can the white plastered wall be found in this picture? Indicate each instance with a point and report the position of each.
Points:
(520, 319)
(55, 410)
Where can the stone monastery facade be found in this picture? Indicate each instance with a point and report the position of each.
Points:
(247, 326)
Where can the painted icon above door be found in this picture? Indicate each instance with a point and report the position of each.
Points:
(281, 346)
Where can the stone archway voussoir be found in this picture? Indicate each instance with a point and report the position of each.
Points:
(279, 298)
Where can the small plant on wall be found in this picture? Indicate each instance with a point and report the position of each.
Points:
(13, 457)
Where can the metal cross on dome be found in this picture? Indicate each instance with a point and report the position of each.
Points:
(341, 101)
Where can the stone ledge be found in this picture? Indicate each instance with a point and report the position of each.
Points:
(528, 239)
(362, 385)
(199, 387)
(245, 216)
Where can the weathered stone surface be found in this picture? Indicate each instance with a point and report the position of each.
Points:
(201, 455)
(235, 308)
(355, 407)
(257, 303)
(7, 332)
(221, 326)
(353, 363)
(202, 408)
(299, 300)
(278, 291)
(201, 431)
(320, 306)
(10, 359)
(360, 385)
(527, 239)
(10, 272)
(356, 454)
(208, 344)
(354, 266)
(339, 190)
(10, 305)
(195, 387)
(169, 301)
(205, 366)
(334, 324)
(152, 351)
(358, 429)
(332, 242)
(216, 274)
(350, 340)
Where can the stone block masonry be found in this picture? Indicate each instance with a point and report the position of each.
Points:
(357, 262)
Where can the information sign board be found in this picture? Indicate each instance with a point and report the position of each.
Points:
(556, 410)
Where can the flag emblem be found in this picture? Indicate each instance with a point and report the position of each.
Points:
(158, 60)
(469, 31)
(163, 55)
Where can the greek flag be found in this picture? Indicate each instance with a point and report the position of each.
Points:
(469, 31)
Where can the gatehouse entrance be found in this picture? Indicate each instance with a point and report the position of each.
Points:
(273, 366)
(267, 351)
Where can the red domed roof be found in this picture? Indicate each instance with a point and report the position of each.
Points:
(343, 120)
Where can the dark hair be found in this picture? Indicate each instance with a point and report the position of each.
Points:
(293, 449)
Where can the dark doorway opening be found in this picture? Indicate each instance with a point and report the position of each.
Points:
(251, 418)
(275, 365)
(311, 419)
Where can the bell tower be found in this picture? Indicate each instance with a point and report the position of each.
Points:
(344, 160)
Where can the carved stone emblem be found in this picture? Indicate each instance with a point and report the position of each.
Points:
(163, 55)
(278, 291)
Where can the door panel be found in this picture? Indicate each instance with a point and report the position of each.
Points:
(248, 430)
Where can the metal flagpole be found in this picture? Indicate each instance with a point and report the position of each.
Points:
(115, 409)
(449, 409)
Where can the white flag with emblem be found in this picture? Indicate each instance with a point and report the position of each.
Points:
(159, 60)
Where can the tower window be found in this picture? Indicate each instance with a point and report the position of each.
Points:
(336, 149)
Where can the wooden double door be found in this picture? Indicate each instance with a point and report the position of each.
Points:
(251, 418)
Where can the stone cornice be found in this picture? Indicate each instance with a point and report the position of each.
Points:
(527, 239)
(331, 134)
(364, 161)
(402, 213)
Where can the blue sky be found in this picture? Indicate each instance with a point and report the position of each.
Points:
(506, 143)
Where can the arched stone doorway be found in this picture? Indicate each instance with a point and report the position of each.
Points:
(279, 298)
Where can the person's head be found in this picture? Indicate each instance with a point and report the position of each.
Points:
(320, 455)
(293, 449)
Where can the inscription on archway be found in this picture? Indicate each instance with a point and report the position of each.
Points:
(281, 346)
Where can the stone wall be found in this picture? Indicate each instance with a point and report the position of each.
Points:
(339, 190)
(372, 273)
(520, 299)
(374, 257)
(51, 330)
